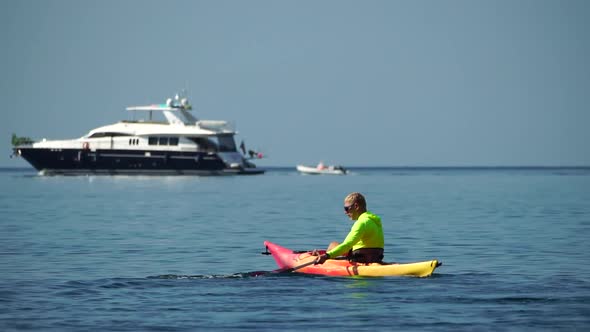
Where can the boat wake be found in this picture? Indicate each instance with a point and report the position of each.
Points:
(252, 274)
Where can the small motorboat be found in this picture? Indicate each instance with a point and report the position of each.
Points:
(322, 169)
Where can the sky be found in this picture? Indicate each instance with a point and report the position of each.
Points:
(353, 83)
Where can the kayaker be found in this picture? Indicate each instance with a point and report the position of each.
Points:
(364, 243)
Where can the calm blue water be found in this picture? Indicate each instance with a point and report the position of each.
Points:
(174, 253)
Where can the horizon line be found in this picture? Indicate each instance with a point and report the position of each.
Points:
(390, 166)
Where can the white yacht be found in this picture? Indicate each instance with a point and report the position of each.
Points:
(182, 144)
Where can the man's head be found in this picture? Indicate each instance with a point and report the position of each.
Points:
(354, 205)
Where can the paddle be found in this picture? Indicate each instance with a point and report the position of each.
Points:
(295, 268)
(283, 270)
(290, 269)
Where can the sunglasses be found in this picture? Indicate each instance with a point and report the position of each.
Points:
(347, 208)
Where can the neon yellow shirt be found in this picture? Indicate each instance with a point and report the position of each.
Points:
(366, 232)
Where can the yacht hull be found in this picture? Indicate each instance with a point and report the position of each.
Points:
(51, 161)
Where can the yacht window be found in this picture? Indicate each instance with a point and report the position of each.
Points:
(227, 143)
(152, 140)
(204, 144)
(163, 141)
(224, 143)
(107, 134)
(173, 140)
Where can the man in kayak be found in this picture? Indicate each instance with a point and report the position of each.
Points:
(364, 243)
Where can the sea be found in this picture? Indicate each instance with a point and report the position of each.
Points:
(183, 253)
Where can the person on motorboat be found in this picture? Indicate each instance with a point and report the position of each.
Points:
(364, 243)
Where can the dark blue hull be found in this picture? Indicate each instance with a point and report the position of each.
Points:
(80, 161)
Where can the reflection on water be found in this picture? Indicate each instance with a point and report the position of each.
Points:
(359, 285)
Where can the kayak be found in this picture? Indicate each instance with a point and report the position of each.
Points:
(303, 262)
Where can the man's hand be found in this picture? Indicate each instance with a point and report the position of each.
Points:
(321, 259)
